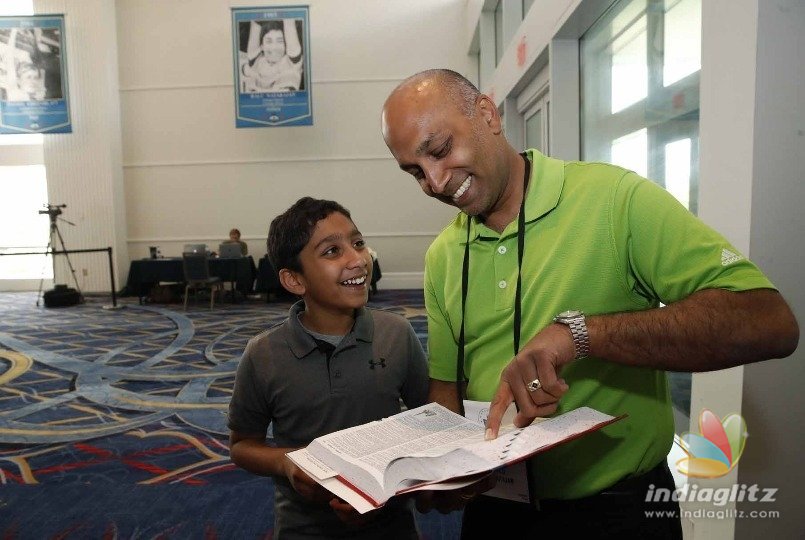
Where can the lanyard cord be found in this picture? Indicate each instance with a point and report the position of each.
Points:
(465, 267)
(465, 273)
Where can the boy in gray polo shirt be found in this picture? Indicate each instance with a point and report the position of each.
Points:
(331, 365)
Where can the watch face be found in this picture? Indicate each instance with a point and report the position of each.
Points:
(570, 314)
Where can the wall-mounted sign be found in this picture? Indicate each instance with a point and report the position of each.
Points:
(271, 47)
(33, 75)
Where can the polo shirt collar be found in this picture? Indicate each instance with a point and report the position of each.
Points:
(544, 189)
(302, 343)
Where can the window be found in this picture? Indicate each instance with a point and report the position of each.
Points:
(640, 68)
(627, 49)
(526, 6)
(640, 65)
(533, 130)
(677, 173)
(631, 151)
(536, 125)
(23, 191)
(682, 40)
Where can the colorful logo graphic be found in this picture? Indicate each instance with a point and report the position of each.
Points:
(716, 449)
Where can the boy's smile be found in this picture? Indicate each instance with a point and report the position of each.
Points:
(336, 270)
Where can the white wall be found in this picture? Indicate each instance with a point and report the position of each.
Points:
(729, 32)
(155, 159)
(753, 189)
(772, 391)
(190, 176)
(84, 167)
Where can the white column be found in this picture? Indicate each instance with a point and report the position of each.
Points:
(84, 168)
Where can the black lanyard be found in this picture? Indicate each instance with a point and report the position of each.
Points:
(465, 273)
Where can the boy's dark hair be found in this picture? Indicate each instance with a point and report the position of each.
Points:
(290, 231)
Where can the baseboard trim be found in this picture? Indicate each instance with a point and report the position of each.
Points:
(24, 285)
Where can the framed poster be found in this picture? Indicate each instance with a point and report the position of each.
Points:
(271, 47)
(33, 75)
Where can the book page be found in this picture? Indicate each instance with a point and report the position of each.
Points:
(512, 480)
(328, 479)
(429, 430)
(520, 443)
(511, 446)
(312, 466)
(432, 444)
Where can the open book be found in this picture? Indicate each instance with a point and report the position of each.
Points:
(429, 447)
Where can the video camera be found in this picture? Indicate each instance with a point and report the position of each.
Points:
(53, 210)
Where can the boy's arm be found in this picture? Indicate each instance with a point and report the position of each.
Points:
(250, 452)
(415, 388)
(444, 393)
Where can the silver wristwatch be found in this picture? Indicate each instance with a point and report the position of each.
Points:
(574, 319)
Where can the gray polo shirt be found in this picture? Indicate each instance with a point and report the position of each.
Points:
(285, 378)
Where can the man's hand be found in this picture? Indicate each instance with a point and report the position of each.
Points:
(542, 358)
(456, 499)
(304, 484)
(348, 515)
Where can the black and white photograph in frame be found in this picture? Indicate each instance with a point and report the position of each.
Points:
(272, 66)
(33, 89)
(273, 59)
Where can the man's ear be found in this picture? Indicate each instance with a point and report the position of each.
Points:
(489, 113)
(293, 282)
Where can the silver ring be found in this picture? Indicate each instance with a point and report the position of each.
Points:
(534, 385)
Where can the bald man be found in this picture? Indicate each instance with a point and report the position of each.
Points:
(567, 266)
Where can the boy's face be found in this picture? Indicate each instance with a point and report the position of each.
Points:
(336, 266)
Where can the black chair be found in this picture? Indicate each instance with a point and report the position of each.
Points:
(267, 279)
(197, 276)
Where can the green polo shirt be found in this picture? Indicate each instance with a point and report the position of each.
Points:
(600, 239)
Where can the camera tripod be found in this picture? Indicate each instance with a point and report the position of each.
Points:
(53, 212)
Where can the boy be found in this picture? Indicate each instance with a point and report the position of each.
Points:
(331, 365)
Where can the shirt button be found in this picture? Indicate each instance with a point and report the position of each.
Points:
(501, 249)
(502, 284)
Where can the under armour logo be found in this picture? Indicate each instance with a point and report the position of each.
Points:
(381, 363)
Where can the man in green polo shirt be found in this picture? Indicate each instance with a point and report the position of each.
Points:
(546, 290)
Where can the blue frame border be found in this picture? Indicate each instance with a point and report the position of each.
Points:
(49, 115)
(273, 109)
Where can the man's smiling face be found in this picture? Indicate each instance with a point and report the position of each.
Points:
(450, 153)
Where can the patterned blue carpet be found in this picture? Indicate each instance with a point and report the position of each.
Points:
(113, 422)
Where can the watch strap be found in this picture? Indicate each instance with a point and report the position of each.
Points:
(581, 339)
(578, 330)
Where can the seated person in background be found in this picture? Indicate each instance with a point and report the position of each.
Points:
(331, 365)
(234, 238)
